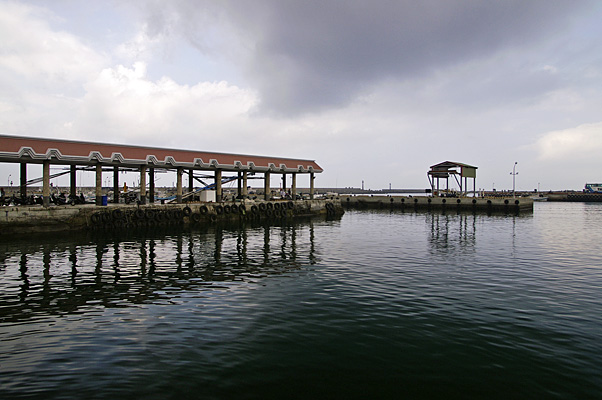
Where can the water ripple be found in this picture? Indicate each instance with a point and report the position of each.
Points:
(377, 304)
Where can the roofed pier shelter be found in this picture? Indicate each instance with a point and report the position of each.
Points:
(458, 170)
(102, 156)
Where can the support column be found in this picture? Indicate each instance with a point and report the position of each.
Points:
(46, 183)
(245, 190)
(73, 180)
(190, 181)
(311, 185)
(266, 186)
(179, 173)
(98, 184)
(23, 180)
(151, 185)
(218, 185)
(239, 183)
(116, 184)
(143, 184)
(284, 183)
(294, 186)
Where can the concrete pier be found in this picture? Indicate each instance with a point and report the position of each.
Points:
(36, 219)
(451, 204)
(575, 196)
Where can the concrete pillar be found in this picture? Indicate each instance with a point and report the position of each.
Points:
(266, 186)
(73, 180)
(294, 186)
(116, 185)
(179, 173)
(98, 184)
(245, 191)
(218, 185)
(239, 183)
(151, 185)
(143, 184)
(311, 185)
(284, 182)
(23, 180)
(46, 183)
(190, 181)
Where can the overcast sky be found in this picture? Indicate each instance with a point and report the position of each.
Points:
(374, 91)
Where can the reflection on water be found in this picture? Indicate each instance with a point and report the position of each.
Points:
(378, 304)
(450, 231)
(117, 271)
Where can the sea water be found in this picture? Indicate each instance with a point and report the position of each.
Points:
(376, 304)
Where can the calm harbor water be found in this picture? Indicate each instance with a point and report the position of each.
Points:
(378, 304)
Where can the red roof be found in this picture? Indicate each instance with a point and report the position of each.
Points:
(38, 150)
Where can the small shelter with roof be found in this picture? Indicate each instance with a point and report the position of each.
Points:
(461, 172)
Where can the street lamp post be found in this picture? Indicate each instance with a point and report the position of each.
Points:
(514, 173)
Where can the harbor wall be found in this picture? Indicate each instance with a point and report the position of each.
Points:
(37, 219)
(575, 196)
(452, 204)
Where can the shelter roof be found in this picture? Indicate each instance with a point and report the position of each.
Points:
(451, 164)
(38, 150)
(446, 168)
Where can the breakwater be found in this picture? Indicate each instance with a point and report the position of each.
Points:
(452, 204)
(34, 219)
(574, 196)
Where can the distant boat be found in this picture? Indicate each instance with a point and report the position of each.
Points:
(593, 188)
(540, 197)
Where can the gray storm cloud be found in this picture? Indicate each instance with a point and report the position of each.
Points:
(307, 56)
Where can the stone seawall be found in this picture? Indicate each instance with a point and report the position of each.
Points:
(452, 204)
(34, 219)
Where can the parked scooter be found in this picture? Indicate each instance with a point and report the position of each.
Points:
(74, 199)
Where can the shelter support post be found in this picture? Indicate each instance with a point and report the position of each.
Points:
(266, 186)
(143, 184)
(284, 183)
(294, 186)
(311, 185)
(218, 185)
(46, 184)
(73, 180)
(23, 180)
(179, 173)
(151, 185)
(239, 187)
(245, 190)
(116, 184)
(98, 184)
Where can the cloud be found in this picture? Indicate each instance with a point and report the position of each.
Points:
(122, 104)
(37, 56)
(314, 55)
(583, 142)
(41, 71)
(373, 91)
